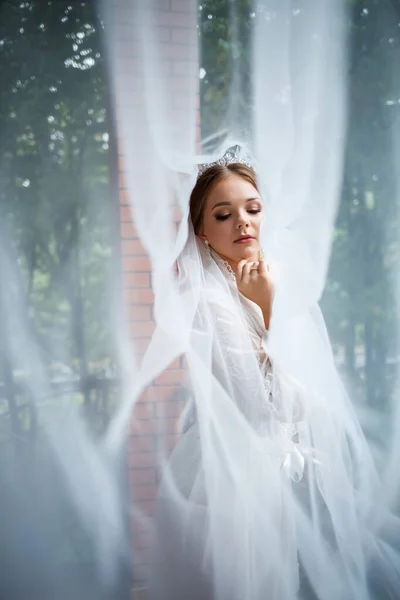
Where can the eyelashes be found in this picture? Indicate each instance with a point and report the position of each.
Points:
(252, 211)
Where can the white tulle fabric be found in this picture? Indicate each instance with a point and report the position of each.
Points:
(268, 492)
(271, 491)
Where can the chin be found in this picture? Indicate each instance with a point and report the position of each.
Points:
(248, 254)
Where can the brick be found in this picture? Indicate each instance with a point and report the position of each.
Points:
(121, 158)
(161, 393)
(189, 6)
(140, 526)
(170, 376)
(139, 296)
(161, 4)
(144, 396)
(128, 231)
(139, 313)
(136, 263)
(138, 444)
(130, 65)
(137, 126)
(153, 5)
(176, 19)
(185, 68)
(144, 492)
(124, 28)
(136, 280)
(143, 556)
(154, 420)
(145, 506)
(175, 51)
(184, 36)
(154, 426)
(134, 50)
(168, 442)
(140, 461)
(180, 120)
(169, 409)
(143, 410)
(129, 55)
(142, 540)
(185, 102)
(127, 43)
(121, 181)
(141, 476)
(184, 85)
(132, 247)
(128, 89)
(141, 329)
(126, 9)
(125, 213)
(163, 34)
(140, 345)
(142, 574)
(134, 64)
(176, 364)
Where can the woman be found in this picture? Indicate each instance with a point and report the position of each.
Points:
(261, 493)
(227, 213)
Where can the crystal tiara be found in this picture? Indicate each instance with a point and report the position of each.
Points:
(234, 154)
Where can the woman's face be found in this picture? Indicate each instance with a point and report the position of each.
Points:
(233, 214)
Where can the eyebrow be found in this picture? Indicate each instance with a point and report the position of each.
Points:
(229, 204)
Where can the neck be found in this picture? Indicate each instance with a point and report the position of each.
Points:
(233, 264)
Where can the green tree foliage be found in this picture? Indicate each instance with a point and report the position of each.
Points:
(56, 231)
(54, 180)
(226, 29)
(360, 297)
(58, 220)
(54, 172)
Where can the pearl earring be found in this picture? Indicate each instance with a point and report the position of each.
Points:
(206, 243)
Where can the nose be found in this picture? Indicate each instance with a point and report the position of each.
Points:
(243, 221)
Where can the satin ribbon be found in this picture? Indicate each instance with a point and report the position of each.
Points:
(293, 461)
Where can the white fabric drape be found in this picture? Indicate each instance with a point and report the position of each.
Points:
(272, 488)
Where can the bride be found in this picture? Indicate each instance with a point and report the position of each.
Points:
(269, 492)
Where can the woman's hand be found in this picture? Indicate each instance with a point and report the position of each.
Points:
(254, 282)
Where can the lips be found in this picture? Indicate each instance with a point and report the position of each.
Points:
(243, 238)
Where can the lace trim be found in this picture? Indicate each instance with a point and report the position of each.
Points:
(229, 269)
(223, 265)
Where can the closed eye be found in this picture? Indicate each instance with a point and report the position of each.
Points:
(252, 211)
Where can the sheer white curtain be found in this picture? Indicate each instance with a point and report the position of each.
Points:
(237, 516)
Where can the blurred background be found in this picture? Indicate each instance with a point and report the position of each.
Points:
(59, 224)
(60, 228)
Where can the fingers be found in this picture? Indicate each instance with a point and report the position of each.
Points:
(239, 269)
(261, 261)
(263, 268)
(250, 271)
(253, 266)
(246, 271)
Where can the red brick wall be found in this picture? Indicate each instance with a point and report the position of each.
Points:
(155, 415)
